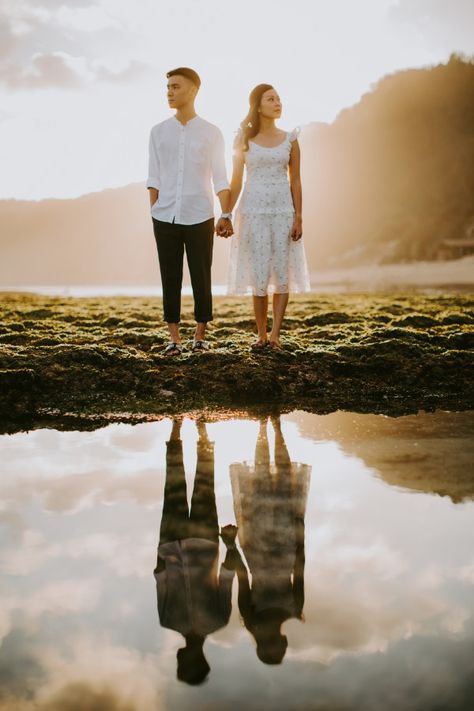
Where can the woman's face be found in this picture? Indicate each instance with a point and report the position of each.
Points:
(270, 104)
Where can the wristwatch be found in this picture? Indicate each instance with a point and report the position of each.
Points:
(227, 215)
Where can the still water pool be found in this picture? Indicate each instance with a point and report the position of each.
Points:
(349, 584)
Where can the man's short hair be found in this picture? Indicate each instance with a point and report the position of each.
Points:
(188, 73)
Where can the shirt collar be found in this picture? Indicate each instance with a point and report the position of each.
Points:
(188, 122)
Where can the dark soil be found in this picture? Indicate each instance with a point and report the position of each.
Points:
(83, 362)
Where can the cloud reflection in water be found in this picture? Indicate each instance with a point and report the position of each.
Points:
(388, 575)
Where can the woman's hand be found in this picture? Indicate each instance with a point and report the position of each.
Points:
(297, 229)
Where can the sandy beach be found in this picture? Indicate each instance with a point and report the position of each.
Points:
(443, 274)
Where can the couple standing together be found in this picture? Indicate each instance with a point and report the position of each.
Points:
(186, 154)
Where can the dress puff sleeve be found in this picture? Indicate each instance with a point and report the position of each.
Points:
(294, 133)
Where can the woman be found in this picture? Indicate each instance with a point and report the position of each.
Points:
(270, 505)
(267, 255)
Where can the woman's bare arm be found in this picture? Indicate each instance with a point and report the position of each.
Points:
(296, 190)
(237, 177)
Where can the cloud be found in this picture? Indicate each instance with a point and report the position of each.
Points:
(61, 597)
(54, 69)
(466, 574)
(51, 45)
(8, 41)
(122, 555)
(62, 3)
(443, 24)
(134, 70)
(73, 492)
(86, 19)
(127, 676)
(30, 553)
(418, 673)
(79, 695)
(82, 673)
(62, 71)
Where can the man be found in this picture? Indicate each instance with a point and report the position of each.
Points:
(193, 598)
(185, 153)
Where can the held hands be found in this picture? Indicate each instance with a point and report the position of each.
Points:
(232, 557)
(228, 535)
(224, 227)
(296, 229)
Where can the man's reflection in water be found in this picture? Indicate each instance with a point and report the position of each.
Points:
(270, 505)
(191, 600)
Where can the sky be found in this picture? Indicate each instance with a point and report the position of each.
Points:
(83, 81)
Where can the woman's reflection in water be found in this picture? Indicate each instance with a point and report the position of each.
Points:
(191, 598)
(270, 504)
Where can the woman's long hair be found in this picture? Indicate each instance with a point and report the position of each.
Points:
(250, 126)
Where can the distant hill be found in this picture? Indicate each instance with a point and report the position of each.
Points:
(387, 181)
(409, 451)
(103, 238)
(393, 175)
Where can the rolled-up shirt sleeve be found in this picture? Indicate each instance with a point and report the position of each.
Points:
(153, 180)
(219, 173)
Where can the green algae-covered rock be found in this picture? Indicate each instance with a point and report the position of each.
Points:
(103, 357)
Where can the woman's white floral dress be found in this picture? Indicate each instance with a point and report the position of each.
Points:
(263, 258)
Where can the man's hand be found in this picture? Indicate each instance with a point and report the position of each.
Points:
(224, 227)
(153, 193)
(297, 229)
(228, 535)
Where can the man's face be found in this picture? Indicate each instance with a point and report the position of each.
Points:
(180, 91)
(270, 105)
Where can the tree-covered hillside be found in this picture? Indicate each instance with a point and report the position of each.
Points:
(393, 176)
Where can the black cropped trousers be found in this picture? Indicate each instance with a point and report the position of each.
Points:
(172, 240)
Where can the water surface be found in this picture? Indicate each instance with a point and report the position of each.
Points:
(354, 544)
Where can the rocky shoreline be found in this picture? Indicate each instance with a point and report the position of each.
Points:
(83, 362)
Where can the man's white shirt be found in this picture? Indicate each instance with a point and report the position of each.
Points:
(183, 160)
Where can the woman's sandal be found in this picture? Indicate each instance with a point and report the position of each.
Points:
(274, 345)
(173, 349)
